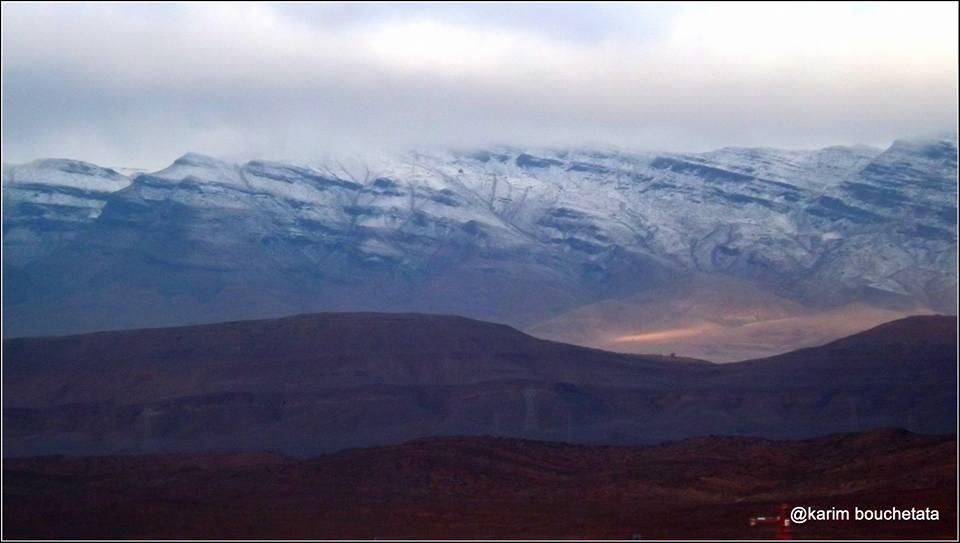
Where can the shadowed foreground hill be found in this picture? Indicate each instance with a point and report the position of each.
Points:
(491, 488)
(315, 383)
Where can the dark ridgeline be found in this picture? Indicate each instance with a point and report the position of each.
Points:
(318, 383)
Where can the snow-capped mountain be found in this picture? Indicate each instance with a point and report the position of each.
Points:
(502, 234)
(48, 201)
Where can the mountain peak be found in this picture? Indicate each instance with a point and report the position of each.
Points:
(65, 172)
(203, 168)
(198, 159)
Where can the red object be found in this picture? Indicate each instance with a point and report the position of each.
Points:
(781, 521)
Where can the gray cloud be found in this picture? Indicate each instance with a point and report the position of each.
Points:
(141, 84)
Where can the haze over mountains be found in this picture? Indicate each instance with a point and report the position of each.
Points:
(557, 242)
(730, 255)
(318, 383)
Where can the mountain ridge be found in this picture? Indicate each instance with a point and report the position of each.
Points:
(507, 235)
(316, 384)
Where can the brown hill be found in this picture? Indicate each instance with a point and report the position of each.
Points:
(319, 383)
(491, 488)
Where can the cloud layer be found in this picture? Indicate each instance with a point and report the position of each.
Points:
(141, 84)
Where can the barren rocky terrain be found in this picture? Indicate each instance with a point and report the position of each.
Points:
(491, 488)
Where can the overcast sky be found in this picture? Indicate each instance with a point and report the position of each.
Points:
(140, 84)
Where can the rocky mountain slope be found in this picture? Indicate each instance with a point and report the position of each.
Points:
(509, 235)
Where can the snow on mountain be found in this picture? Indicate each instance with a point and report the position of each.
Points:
(462, 231)
(202, 169)
(47, 201)
(78, 189)
(59, 172)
